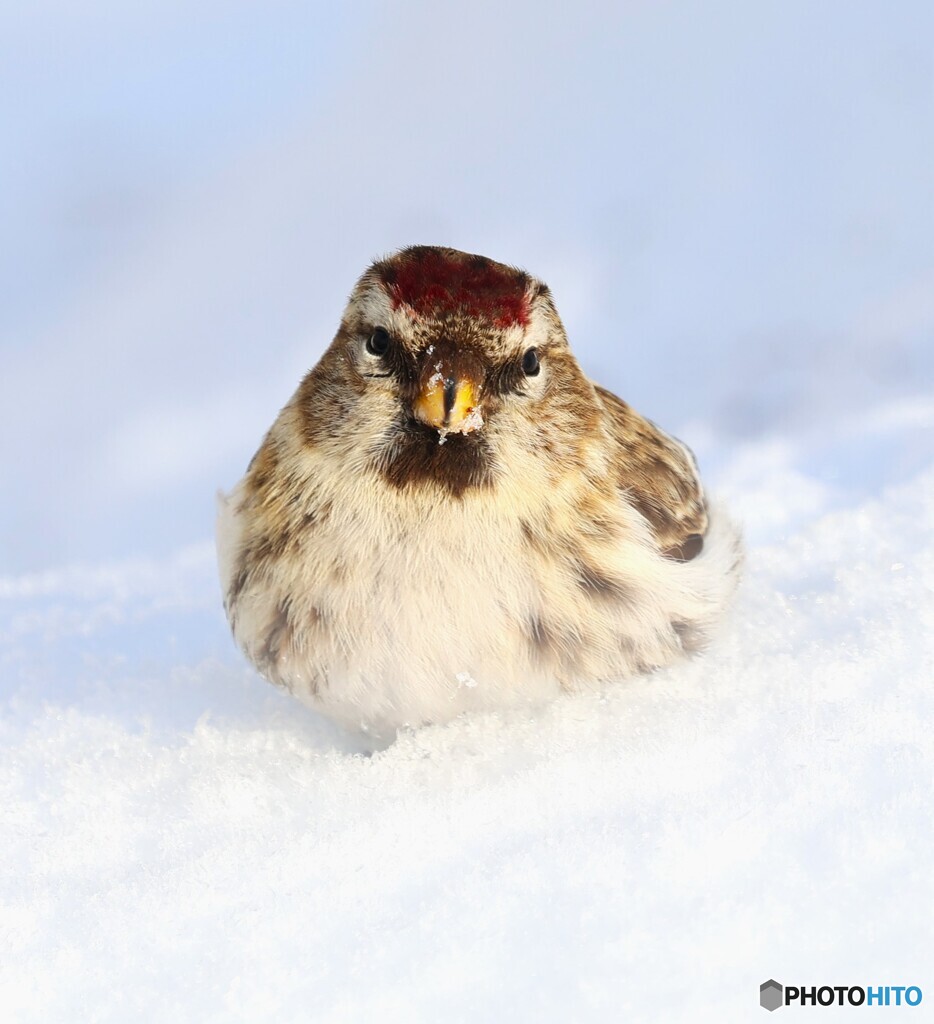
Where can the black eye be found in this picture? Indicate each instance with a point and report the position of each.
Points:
(378, 342)
(530, 363)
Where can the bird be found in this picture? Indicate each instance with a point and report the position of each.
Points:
(449, 516)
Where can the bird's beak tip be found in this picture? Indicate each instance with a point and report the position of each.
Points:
(449, 404)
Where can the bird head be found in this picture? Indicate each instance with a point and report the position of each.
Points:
(447, 366)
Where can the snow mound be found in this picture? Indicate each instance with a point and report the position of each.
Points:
(182, 842)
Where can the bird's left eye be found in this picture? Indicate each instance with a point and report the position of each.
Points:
(530, 363)
(378, 342)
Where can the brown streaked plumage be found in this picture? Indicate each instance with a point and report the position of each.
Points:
(660, 477)
(447, 497)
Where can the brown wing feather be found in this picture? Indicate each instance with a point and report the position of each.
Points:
(659, 477)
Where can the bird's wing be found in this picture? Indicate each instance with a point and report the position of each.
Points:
(659, 476)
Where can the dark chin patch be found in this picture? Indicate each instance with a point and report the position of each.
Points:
(414, 458)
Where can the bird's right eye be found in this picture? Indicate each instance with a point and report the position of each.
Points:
(378, 342)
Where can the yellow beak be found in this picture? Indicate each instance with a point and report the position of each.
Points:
(448, 396)
(447, 404)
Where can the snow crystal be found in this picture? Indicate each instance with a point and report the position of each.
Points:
(472, 421)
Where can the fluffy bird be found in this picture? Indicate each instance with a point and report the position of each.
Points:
(448, 515)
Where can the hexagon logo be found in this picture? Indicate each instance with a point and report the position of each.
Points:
(770, 995)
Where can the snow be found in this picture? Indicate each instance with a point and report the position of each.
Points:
(178, 840)
(182, 841)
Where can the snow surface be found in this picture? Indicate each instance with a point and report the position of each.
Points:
(183, 842)
(733, 206)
